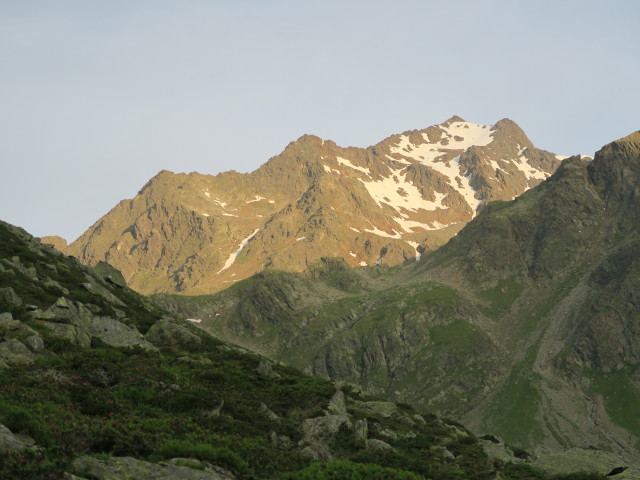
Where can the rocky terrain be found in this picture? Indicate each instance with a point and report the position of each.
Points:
(384, 205)
(99, 383)
(523, 325)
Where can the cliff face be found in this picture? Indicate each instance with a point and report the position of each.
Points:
(384, 205)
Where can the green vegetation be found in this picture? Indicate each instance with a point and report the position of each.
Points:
(349, 471)
(621, 398)
(502, 296)
(513, 410)
(457, 335)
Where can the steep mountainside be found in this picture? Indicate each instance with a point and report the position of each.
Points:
(525, 324)
(98, 383)
(386, 204)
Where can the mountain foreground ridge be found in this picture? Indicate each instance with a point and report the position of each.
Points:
(99, 383)
(384, 205)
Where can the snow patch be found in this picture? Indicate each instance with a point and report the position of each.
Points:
(194, 320)
(381, 233)
(347, 163)
(229, 215)
(257, 199)
(300, 238)
(415, 247)
(234, 255)
(352, 254)
(221, 203)
(400, 193)
(331, 170)
(363, 263)
(205, 214)
(460, 182)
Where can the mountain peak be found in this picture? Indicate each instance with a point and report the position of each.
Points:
(386, 204)
(454, 119)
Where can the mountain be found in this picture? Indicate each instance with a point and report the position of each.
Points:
(384, 205)
(98, 382)
(524, 325)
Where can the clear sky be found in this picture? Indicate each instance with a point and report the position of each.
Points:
(98, 96)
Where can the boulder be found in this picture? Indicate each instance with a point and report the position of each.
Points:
(496, 449)
(375, 444)
(109, 274)
(14, 351)
(8, 295)
(265, 369)
(117, 334)
(34, 343)
(8, 441)
(127, 467)
(70, 332)
(323, 428)
(167, 332)
(94, 287)
(579, 459)
(338, 404)
(67, 312)
(379, 408)
(317, 451)
(361, 431)
(442, 451)
(268, 413)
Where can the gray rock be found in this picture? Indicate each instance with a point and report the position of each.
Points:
(117, 468)
(7, 322)
(94, 287)
(375, 444)
(496, 449)
(52, 283)
(109, 273)
(631, 473)
(65, 311)
(170, 333)
(361, 431)
(338, 404)
(70, 332)
(34, 343)
(8, 441)
(265, 369)
(442, 451)
(14, 351)
(419, 419)
(323, 428)
(281, 440)
(379, 408)
(267, 412)
(578, 459)
(8, 295)
(317, 451)
(117, 334)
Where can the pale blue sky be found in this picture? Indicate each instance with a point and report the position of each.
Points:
(98, 96)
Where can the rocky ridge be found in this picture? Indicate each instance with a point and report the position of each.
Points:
(524, 324)
(384, 205)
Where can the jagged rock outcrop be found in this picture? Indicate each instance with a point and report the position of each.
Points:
(384, 205)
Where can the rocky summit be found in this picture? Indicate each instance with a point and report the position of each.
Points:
(384, 205)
